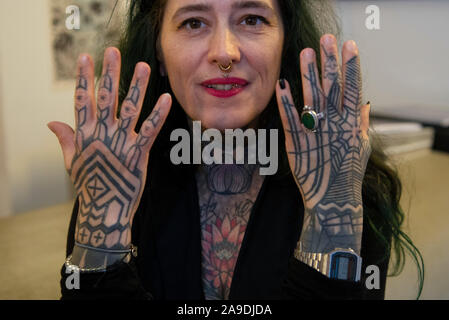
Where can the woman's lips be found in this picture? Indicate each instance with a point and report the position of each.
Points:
(237, 86)
(224, 93)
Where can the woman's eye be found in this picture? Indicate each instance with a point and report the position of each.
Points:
(254, 20)
(191, 24)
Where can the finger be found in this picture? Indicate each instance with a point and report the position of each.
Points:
(331, 73)
(364, 119)
(132, 104)
(131, 107)
(65, 135)
(289, 116)
(137, 155)
(313, 94)
(153, 124)
(84, 99)
(107, 98)
(295, 140)
(352, 83)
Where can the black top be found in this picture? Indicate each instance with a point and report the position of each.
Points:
(166, 230)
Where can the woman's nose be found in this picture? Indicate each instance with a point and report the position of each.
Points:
(224, 47)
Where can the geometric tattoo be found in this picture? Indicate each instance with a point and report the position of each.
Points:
(329, 164)
(106, 172)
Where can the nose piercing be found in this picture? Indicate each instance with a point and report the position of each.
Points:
(225, 69)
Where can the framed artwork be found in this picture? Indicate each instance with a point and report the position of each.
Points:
(79, 26)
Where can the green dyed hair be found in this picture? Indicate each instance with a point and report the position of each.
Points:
(305, 21)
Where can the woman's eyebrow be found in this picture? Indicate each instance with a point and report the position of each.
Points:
(251, 4)
(202, 7)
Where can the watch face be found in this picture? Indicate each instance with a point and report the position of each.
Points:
(343, 266)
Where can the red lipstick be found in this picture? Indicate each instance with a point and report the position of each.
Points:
(237, 86)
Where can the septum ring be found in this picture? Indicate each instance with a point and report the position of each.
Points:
(310, 119)
(225, 69)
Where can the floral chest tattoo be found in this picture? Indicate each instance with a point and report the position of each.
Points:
(225, 207)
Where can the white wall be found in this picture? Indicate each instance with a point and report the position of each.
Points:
(34, 166)
(5, 198)
(406, 61)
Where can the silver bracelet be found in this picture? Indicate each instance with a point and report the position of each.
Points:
(131, 249)
(74, 268)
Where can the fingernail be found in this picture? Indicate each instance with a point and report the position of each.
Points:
(165, 98)
(83, 58)
(282, 84)
(49, 127)
(369, 105)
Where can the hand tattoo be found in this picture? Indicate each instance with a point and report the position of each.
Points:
(106, 173)
(329, 164)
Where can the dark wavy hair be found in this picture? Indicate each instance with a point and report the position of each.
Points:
(305, 21)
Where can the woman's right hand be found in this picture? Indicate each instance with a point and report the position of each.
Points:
(105, 158)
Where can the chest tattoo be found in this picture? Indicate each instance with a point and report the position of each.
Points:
(226, 197)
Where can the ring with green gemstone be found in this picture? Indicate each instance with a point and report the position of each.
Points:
(310, 119)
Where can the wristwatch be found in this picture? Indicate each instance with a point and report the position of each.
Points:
(342, 264)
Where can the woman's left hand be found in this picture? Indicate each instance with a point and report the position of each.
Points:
(329, 164)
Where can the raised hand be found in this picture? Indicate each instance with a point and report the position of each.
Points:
(105, 158)
(329, 164)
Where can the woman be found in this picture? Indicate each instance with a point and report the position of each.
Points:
(225, 231)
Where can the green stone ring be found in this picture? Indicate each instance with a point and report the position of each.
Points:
(310, 119)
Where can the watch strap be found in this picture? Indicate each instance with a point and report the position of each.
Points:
(318, 261)
(342, 264)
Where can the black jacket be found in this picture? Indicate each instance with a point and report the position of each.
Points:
(166, 230)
